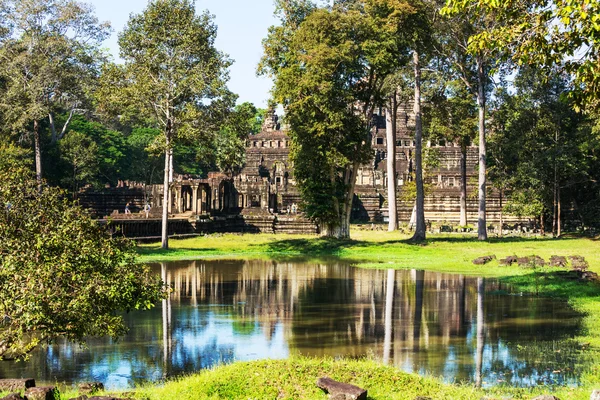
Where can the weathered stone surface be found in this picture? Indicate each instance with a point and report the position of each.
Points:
(531, 261)
(578, 263)
(484, 259)
(508, 260)
(595, 395)
(9, 385)
(546, 397)
(341, 391)
(82, 397)
(558, 261)
(41, 393)
(90, 387)
(13, 396)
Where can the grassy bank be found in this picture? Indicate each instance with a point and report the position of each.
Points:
(295, 378)
(450, 253)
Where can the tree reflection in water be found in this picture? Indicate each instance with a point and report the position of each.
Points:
(456, 327)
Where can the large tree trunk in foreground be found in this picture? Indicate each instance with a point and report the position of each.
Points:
(390, 134)
(420, 225)
(340, 229)
(481, 223)
(166, 189)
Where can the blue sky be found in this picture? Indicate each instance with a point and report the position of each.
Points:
(242, 24)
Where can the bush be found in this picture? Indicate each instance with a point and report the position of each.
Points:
(61, 274)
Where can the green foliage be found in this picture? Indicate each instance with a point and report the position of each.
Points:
(230, 142)
(546, 34)
(144, 161)
(540, 144)
(57, 43)
(172, 73)
(329, 67)
(111, 149)
(81, 154)
(62, 274)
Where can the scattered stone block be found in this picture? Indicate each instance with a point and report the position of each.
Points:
(12, 385)
(595, 395)
(82, 397)
(558, 261)
(510, 260)
(578, 263)
(13, 396)
(531, 261)
(484, 260)
(341, 391)
(587, 276)
(42, 393)
(546, 397)
(90, 387)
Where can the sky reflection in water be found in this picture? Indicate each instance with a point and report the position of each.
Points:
(456, 327)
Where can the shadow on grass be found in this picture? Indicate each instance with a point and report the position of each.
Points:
(319, 246)
(157, 251)
(334, 246)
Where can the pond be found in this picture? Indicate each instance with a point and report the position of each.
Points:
(460, 328)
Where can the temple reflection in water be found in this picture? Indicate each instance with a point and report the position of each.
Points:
(456, 327)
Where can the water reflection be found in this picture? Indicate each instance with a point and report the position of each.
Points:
(460, 328)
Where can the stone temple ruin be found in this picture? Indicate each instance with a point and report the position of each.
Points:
(263, 197)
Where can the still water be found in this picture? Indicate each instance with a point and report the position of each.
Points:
(451, 326)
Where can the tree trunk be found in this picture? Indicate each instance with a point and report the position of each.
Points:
(166, 188)
(38, 154)
(558, 228)
(390, 134)
(171, 181)
(463, 183)
(481, 223)
(420, 225)
(347, 210)
(340, 229)
(501, 213)
(554, 202)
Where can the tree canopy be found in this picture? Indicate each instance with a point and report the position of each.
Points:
(62, 274)
(172, 75)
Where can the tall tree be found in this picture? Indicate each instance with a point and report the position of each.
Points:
(329, 66)
(49, 59)
(472, 65)
(453, 116)
(172, 74)
(540, 146)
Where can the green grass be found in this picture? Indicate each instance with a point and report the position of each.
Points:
(295, 377)
(445, 253)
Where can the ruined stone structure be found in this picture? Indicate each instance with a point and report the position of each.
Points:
(262, 196)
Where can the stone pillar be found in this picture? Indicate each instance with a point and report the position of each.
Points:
(170, 203)
(195, 200)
